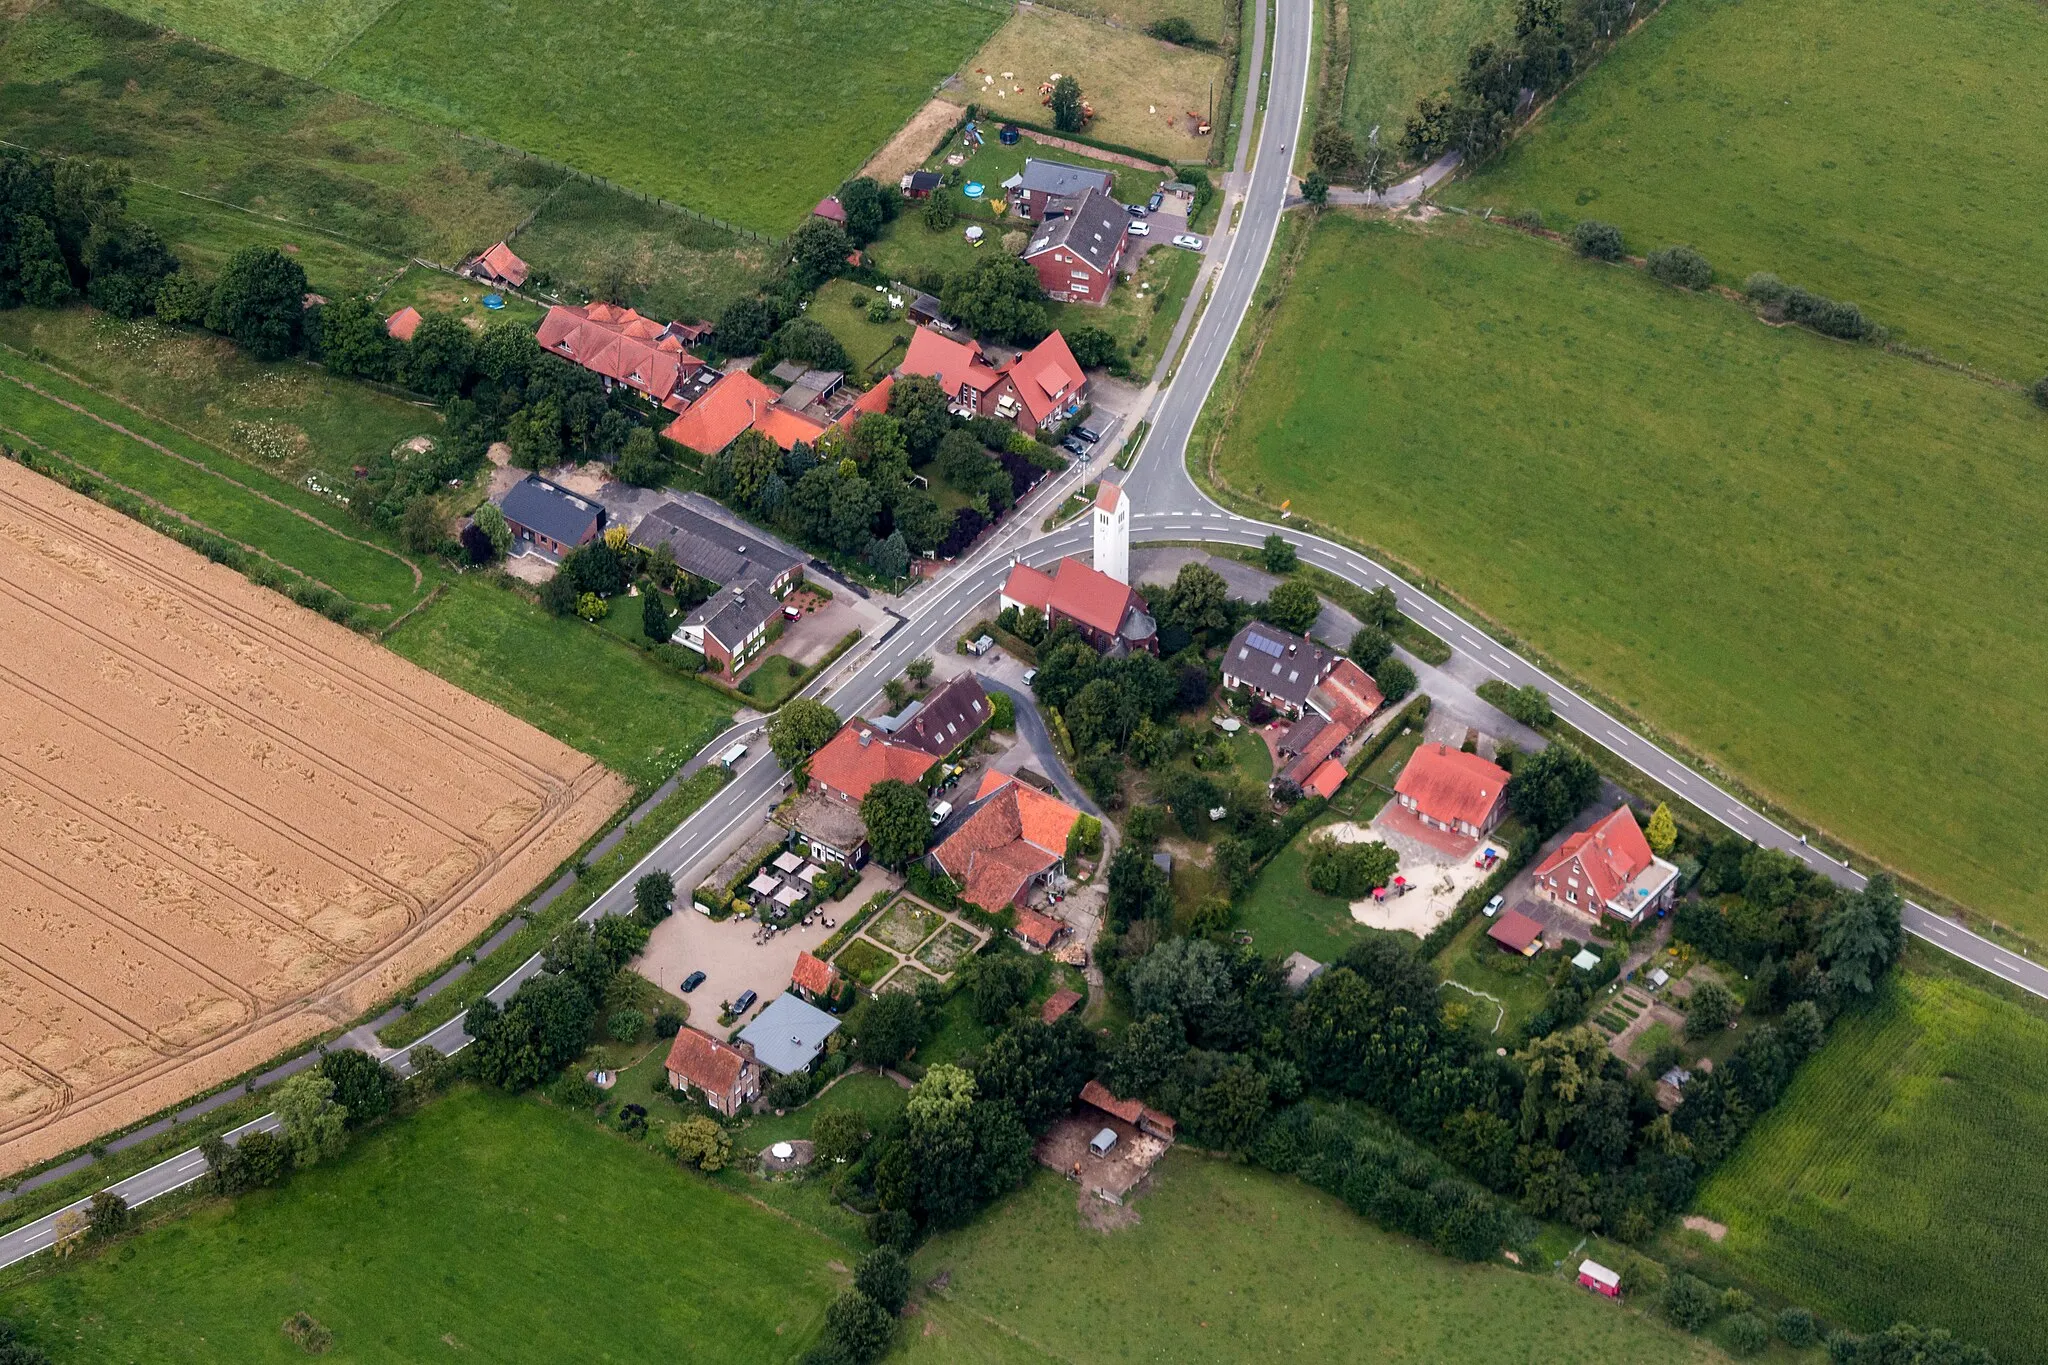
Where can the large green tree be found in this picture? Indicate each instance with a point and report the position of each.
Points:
(1292, 605)
(917, 401)
(353, 341)
(801, 728)
(440, 356)
(998, 296)
(1067, 113)
(314, 1125)
(260, 302)
(898, 828)
(890, 1027)
(545, 1025)
(1551, 786)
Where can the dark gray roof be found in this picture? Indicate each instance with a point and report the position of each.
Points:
(1093, 230)
(731, 614)
(789, 371)
(539, 506)
(1277, 662)
(947, 717)
(789, 1034)
(1057, 177)
(710, 549)
(924, 180)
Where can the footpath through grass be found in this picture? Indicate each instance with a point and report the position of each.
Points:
(747, 110)
(1810, 561)
(1867, 149)
(1901, 1175)
(1231, 1263)
(574, 681)
(484, 1227)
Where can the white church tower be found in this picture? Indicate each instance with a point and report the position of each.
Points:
(1113, 532)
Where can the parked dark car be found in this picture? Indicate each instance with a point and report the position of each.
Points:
(744, 1003)
(1074, 446)
(1157, 200)
(1088, 434)
(692, 982)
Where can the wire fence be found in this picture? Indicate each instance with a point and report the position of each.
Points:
(666, 205)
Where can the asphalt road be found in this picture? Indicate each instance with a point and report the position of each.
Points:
(1169, 506)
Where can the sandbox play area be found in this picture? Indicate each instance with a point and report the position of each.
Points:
(232, 825)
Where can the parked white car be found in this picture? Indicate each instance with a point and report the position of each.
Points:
(1188, 240)
(1138, 227)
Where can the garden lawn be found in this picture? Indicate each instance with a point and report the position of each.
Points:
(436, 291)
(666, 264)
(1866, 149)
(1230, 1263)
(565, 677)
(1812, 562)
(482, 1225)
(1142, 89)
(1402, 50)
(876, 347)
(773, 682)
(89, 82)
(1283, 914)
(245, 505)
(749, 110)
(1900, 1177)
(1517, 985)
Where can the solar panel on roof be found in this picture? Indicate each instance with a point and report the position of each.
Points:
(1265, 646)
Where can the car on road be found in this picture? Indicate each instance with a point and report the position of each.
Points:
(744, 1003)
(692, 982)
(1188, 240)
(1140, 228)
(1074, 445)
(1140, 210)
(1088, 434)
(940, 812)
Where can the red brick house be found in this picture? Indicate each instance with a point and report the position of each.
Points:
(731, 626)
(623, 347)
(725, 1076)
(1110, 615)
(1036, 390)
(1608, 868)
(965, 374)
(1077, 254)
(1013, 838)
(1338, 706)
(1047, 186)
(1451, 790)
(550, 518)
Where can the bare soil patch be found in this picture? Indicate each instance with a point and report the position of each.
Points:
(231, 824)
(913, 142)
(1700, 1223)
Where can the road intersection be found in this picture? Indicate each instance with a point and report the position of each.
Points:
(1171, 507)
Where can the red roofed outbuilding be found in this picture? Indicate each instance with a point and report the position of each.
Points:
(403, 323)
(1449, 789)
(1517, 933)
(500, 265)
(1146, 1120)
(1058, 1005)
(813, 978)
(830, 209)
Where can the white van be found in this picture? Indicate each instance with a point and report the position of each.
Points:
(940, 812)
(731, 757)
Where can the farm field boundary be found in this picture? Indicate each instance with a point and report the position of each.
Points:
(253, 864)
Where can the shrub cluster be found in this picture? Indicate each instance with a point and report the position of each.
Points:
(1597, 241)
(1681, 266)
(1784, 302)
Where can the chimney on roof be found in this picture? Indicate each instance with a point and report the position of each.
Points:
(865, 736)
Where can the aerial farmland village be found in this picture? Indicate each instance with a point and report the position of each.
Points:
(1023, 681)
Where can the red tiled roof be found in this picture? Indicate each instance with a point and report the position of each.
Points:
(729, 408)
(1046, 376)
(1101, 1097)
(874, 400)
(1450, 785)
(813, 974)
(1612, 853)
(847, 765)
(830, 207)
(705, 1062)
(952, 363)
(1514, 930)
(1016, 834)
(403, 323)
(1072, 589)
(1035, 929)
(1349, 688)
(1108, 495)
(619, 344)
(1057, 1006)
(1325, 780)
(502, 262)
(787, 428)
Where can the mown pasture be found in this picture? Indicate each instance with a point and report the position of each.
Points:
(1900, 1177)
(1874, 150)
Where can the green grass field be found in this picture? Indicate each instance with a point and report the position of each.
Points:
(482, 1227)
(1904, 1163)
(438, 292)
(1867, 149)
(203, 235)
(86, 81)
(242, 503)
(1229, 1263)
(1402, 50)
(747, 112)
(664, 264)
(565, 677)
(1810, 561)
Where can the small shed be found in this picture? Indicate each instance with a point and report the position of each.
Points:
(1058, 1005)
(1301, 969)
(1587, 960)
(1515, 932)
(1600, 1279)
(1659, 978)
